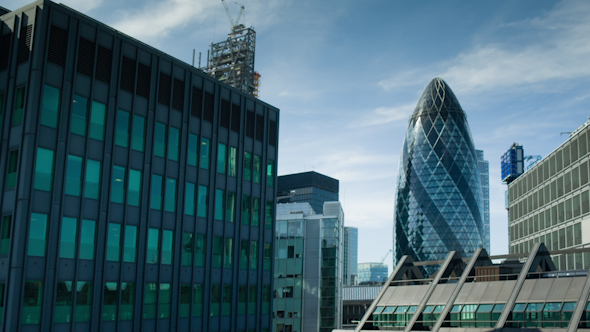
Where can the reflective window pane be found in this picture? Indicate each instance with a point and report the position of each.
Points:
(138, 133)
(160, 140)
(118, 185)
(87, 239)
(79, 115)
(230, 211)
(37, 235)
(5, 235)
(170, 199)
(50, 106)
(193, 143)
(130, 247)
(134, 188)
(64, 297)
(189, 199)
(19, 106)
(153, 246)
(205, 153)
(257, 169)
(97, 121)
(113, 242)
(92, 180)
(219, 204)
(187, 249)
(156, 192)
(221, 158)
(109, 302)
(122, 129)
(167, 245)
(270, 174)
(73, 176)
(12, 168)
(44, 170)
(233, 161)
(127, 300)
(202, 202)
(247, 166)
(173, 143)
(32, 301)
(67, 245)
(84, 291)
(200, 250)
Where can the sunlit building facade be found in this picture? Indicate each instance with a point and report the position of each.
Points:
(372, 272)
(350, 273)
(484, 174)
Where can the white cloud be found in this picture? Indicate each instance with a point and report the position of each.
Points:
(383, 115)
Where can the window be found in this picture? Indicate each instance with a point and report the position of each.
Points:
(173, 143)
(37, 235)
(187, 249)
(185, 300)
(226, 306)
(12, 167)
(50, 106)
(32, 300)
(150, 296)
(253, 255)
(267, 257)
(130, 246)
(215, 300)
(189, 199)
(5, 237)
(230, 211)
(127, 300)
(92, 180)
(160, 140)
(229, 254)
(197, 300)
(44, 170)
(19, 106)
(63, 302)
(67, 245)
(219, 204)
(255, 211)
(270, 175)
(1, 110)
(269, 215)
(109, 302)
(113, 242)
(233, 161)
(200, 250)
(165, 300)
(97, 121)
(87, 239)
(118, 185)
(265, 299)
(242, 299)
(202, 202)
(167, 245)
(257, 169)
(138, 133)
(244, 254)
(153, 246)
(73, 176)
(79, 113)
(84, 291)
(221, 158)
(170, 199)
(217, 251)
(156, 194)
(193, 143)
(247, 166)
(246, 210)
(134, 188)
(252, 299)
(122, 129)
(205, 153)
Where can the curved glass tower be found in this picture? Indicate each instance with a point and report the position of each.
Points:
(439, 205)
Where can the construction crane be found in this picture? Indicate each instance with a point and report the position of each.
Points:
(387, 254)
(234, 25)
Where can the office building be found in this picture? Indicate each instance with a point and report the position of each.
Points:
(483, 167)
(439, 205)
(133, 191)
(355, 302)
(475, 294)
(370, 273)
(311, 187)
(351, 246)
(549, 202)
(308, 268)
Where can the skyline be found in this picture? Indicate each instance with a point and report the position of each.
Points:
(346, 77)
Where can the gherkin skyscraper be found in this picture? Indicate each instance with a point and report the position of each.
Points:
(438, 204)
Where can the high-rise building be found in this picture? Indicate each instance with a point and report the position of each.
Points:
(549, 203)
(351, 246)
(439, 205)
(133, 192)
(372, 272)
(483, 167)
(308, 268)
(311, 187)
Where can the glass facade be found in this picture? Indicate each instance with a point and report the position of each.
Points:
(439, 205)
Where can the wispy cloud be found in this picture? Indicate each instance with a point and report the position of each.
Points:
(386, 115)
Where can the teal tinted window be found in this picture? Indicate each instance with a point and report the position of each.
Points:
(150, 297)
(242, 299)
(246, 210)
(97, 120)
(244, 246)
(247, 166)
(32, 301)
(269, 215)
(219, 204)
(130, 246)
(44, 170)
(217, 251)
(153, 246)
(173, 144)
(113, 242)
(230, 211)
(19, 106)
(229, 254)
(170, 199)
(253, 255)
(205, 153)
(5, 237)
(265, 299)
(165, 300)
(12, 168)
(122, 129)
(226, 306)
(84, 291)
(202, 202)
(221, 158)
(87, 239)
(160, 140)
(197, 300)
(37, 235)
(64, 297)
(184, 309)
(167, 245)
(189, 199)
(252, 299)
(267, 257)
(233, 161)
(255, 211)
(92, 180)
(79, 114)
(215, 300)
(193, 143)
(200, 250)
(134, 188)
(109, 301)
(127, 300)
(118, 185)
(156, 193)
(74, 176)
(138, 133)
(50, 106)
(67, 245)
(257, 169)
(270, 174)
(187, 249)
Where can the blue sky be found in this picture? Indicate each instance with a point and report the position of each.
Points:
(347, 75)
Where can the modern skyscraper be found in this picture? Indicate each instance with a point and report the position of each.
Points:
(483, 167)
(133, 188)
(308, 268)
(439, 205)
(351, 247)
(311, 187)
(372, 272)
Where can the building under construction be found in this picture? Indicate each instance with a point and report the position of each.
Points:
(232, 60)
